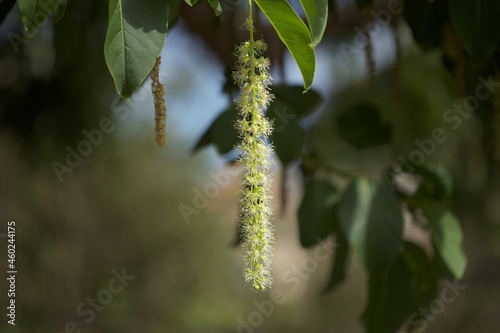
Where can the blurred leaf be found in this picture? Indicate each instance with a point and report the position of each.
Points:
(437, 182)
(5, 9)
(222, 132)
(361, 126)
(339, 262)
(59, 12)
(317, 16)
(135, 37)
(225, 136)
(287, 139)
(362, 4)
(35, 12)
(296, 103)
(446, 236)
(424, 280)
(191, 2)
(173, 12)
(317, 215)
(216, 6)
(426, 18)
(389, 299)
(476, 25)
(370, 217)
(293, 33)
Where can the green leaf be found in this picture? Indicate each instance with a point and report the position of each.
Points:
(222, 132)
(191, 2)
(293, 33)
(225, 136)
(317, 213)
(317, 16)
(362, 4)
(361, 126)
(476, 25)
(437, 182)
(173, 12)
(291, 103)
(389, 299)
(59, 12)
(426, 19)
(287, 139)
(216, 6)
(35, 12)
(339, 262)
(370, 217)
(424, 280)
(135, 37)
(446, 236)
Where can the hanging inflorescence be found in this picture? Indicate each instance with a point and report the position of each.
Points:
(159, 100)
(252, 76)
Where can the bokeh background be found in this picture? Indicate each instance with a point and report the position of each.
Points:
(118, 209)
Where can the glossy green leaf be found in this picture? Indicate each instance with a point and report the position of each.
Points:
(446, 236)
(361, 126)
(216, 6)
(389, 299)
(317, 215)
(476, 25)
(293, 33)
(370, 218)
(339, 262)
(35, 12)
(317, 16)
(135, 37)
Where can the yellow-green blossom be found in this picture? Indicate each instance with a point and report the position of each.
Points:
(252, 76)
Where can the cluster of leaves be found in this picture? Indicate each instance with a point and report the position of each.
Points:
(137, 31)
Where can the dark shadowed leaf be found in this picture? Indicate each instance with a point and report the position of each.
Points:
(339, 262)
(287, 139)
(290, 102)
(317, 213)
(389, 299)
(476, 25)
(426, 18)
(5, 9)
(362, 4)
(370, 218)
(361, 126)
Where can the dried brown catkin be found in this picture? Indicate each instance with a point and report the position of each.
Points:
(159, 100)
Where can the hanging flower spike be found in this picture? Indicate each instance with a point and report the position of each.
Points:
(159, 100)
(252, 76)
